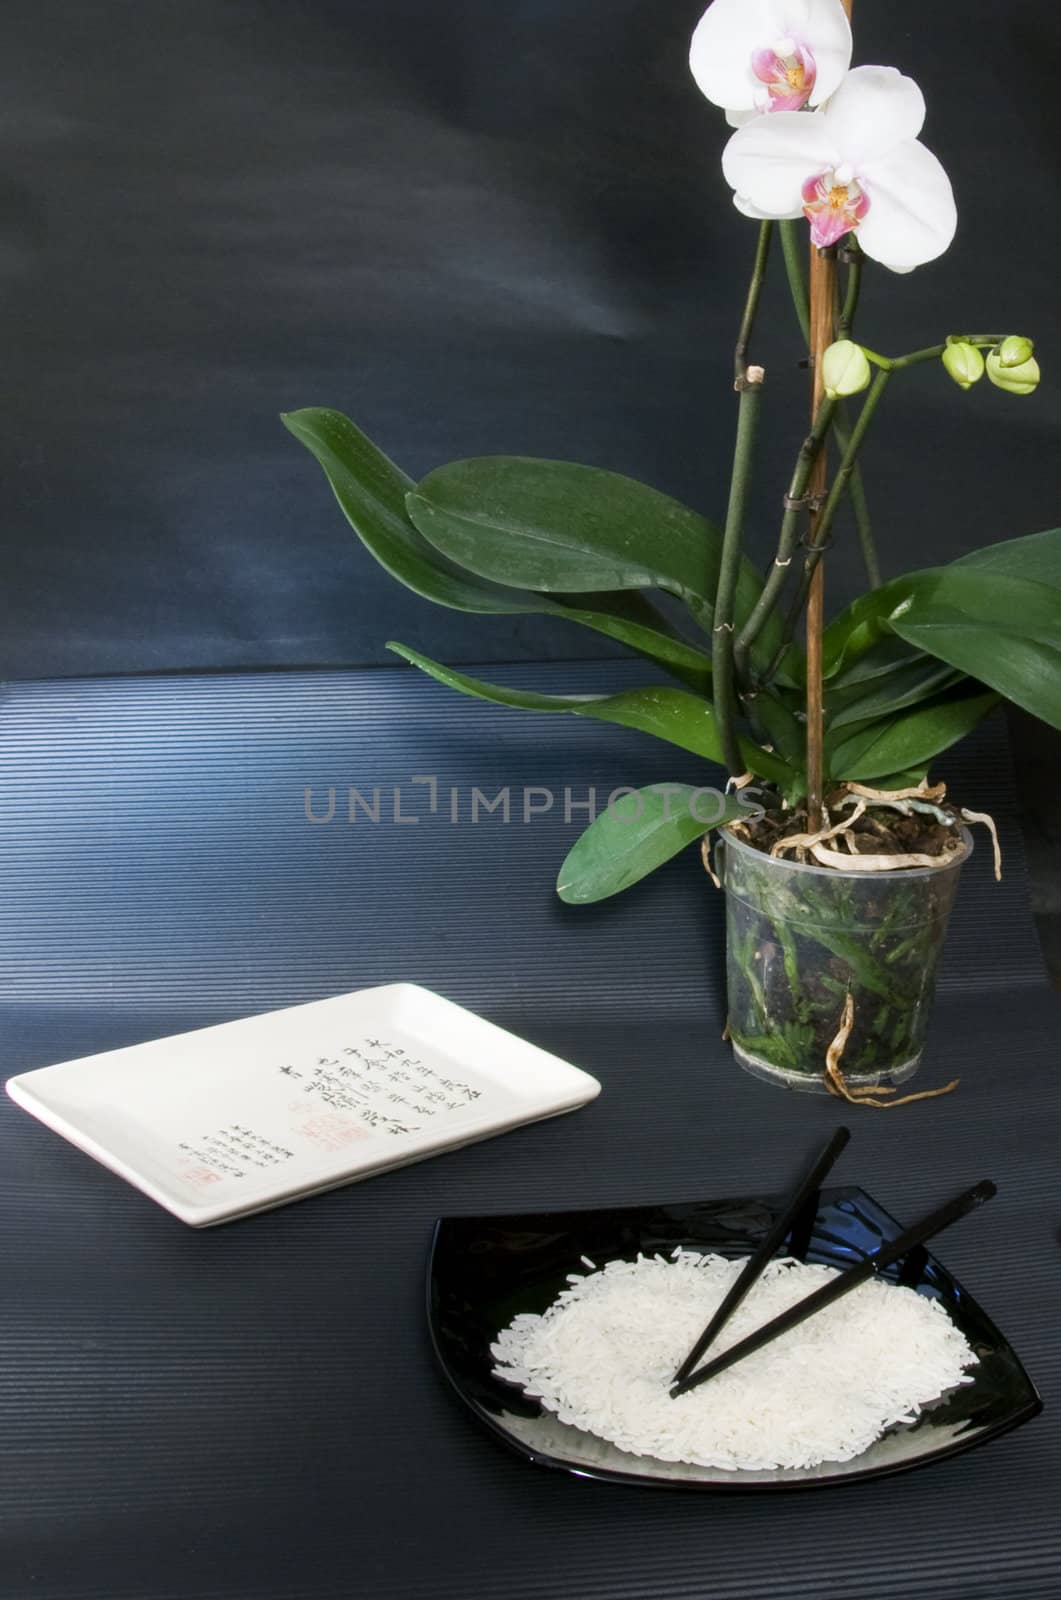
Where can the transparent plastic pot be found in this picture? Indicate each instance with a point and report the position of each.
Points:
(799, 939)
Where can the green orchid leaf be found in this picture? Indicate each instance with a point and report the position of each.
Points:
(791, 670)
(781, 726)
(639, 627)
(1036, 557)
(920, 678)
(980, 598)
(859, 628)
(559, 527)
(910, 779)
(1006, 634)
(1002, 631)
(670, 714)
(909, 740)
(861, 632)
(889, 655)
(642, 830)
(371, 492)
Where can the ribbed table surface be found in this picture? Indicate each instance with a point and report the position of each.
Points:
(252, 1413)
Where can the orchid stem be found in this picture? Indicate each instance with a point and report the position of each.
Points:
(930, 352)
(792, 249)
(748, 382)
(825, 521)
(725, 698)
(857, 489)
(793, 253)
(854, 284)
(850, 456)
(859, 505)
(786, 542)
(751, 304)
(900, 363)
(849, 444)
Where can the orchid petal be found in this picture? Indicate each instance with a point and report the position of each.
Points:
(731, 31)
(912, 215)
(722, 45)
(874, 109)
(768, 160)
(823, 26)
(745, 207)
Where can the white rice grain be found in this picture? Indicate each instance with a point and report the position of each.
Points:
(603, 1357)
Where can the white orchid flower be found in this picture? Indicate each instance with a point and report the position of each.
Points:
(770, 55)
(856, 164)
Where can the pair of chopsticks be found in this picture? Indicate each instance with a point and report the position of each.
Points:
(687, 1378)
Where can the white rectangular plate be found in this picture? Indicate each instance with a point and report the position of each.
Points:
(236, 1118)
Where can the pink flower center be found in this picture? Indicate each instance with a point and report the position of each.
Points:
(788, 70)
(833, 204)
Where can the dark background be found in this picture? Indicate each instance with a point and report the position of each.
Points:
(476, 227)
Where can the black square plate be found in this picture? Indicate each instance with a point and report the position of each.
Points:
(484, 1270)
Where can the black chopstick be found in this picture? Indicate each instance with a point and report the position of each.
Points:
(852, 1279)
(757, 1260)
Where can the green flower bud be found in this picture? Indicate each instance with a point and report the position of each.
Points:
(964, 363)
(845, 369)
(1015, 351)
(1015, 380)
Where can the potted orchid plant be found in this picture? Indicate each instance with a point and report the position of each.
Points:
(840, 878)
